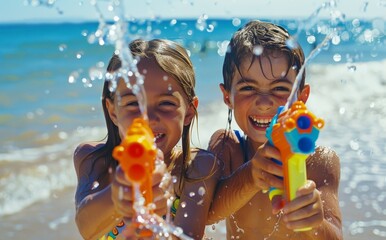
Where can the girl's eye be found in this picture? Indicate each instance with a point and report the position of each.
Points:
(167, 106)
(130, 105)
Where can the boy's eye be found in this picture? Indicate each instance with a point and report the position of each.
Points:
(246, 88)
(167, 103)
(281, 89)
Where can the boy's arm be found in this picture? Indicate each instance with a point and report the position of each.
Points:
(240, 181)
(324, 170)
(95, 214)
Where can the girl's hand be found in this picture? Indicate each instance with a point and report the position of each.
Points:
(265, 171)
(306, 210)
(122, 191)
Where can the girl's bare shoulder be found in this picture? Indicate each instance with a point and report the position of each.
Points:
(202, 163)
(84, 151)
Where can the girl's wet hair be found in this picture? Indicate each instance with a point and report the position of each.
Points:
(174, 60)
(269, 37)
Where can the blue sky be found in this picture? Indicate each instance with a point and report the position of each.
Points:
(79, 10)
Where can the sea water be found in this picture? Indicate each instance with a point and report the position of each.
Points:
(50, 101)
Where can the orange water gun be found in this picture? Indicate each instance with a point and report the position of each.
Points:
(294, 132)
(136, 155)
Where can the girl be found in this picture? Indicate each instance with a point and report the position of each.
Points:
(171, 106)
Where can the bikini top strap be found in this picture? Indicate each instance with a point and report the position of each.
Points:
(243, 144)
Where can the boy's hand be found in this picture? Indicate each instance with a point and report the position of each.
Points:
(306, 210)
(122, 191)
(266, 172)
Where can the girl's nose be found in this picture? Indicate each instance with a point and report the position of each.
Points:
(152, 114)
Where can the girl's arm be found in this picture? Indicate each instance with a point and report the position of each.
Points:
(95, 214)
(197, 195)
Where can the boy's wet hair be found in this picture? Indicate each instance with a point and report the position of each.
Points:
(269, 37)
(174, 60)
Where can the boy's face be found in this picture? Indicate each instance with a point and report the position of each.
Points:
(167, 106)
(257, 91)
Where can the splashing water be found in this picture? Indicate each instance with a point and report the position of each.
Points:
(336, 18)
(363, 36)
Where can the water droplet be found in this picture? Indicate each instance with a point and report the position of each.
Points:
(291, 43)
(178, 231)
(337, 57)
(174, 179)
(210, 28)
(185, 215)
(342, 110)
(170, 87)
(95, 184)
(165, 78)
(201, 191)
(335, 40)
(173, 22)
(73, 77)
(79, 55)
(356, 22)
(354, 145)
(258, 50)
(311, 39)
(236, 22)
(183, 204)
(62, 47)
(192, 194)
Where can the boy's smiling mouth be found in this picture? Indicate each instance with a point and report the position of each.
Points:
(260, 122)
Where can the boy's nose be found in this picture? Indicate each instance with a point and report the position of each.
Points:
(264, 102)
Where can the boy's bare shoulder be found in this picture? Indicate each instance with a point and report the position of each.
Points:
(324, 165)
(222, 139)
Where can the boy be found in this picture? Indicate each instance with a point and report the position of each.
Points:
(259, 72)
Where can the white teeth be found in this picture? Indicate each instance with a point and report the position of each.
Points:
(158, 136)
(261, 120)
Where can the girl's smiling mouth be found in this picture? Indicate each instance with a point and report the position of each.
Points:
(158, 137)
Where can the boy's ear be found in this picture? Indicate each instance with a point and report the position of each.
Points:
(111, 109)
(305, 93)
(192, 110)
(226, 97)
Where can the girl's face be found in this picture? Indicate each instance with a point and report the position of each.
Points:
(257, 92)
(167, 107)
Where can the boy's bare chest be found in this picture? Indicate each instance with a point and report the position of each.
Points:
(256, 221)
